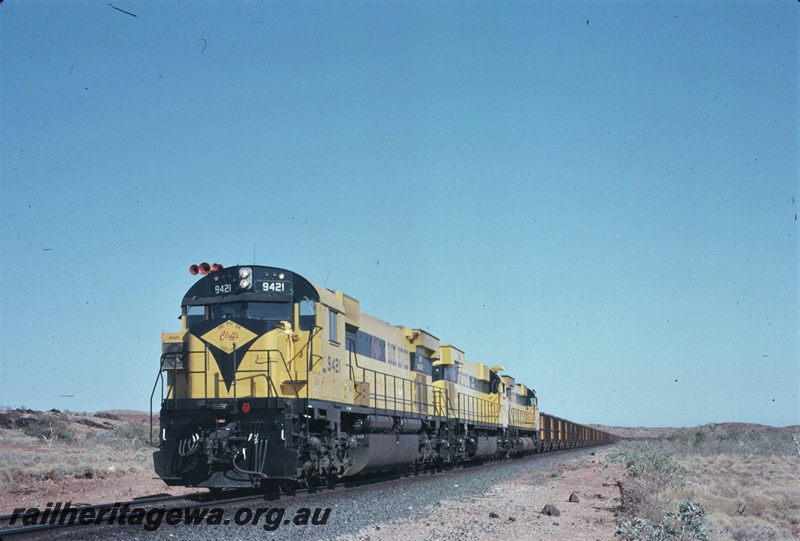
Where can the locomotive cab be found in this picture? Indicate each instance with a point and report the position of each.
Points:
(234, 381)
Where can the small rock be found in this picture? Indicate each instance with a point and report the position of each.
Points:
(512, 519)
(493, 515)
(574, 498)
(551, 510)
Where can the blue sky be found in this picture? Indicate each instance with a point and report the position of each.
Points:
(599, 196)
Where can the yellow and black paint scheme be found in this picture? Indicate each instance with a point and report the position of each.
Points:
(523, 416)
(463, 391)
(273, 378)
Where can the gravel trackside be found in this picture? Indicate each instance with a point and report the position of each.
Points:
(500, 499)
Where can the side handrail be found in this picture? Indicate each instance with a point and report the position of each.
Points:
(395, 382)
(160, 377)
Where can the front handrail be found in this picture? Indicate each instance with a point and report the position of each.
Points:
(273, 356)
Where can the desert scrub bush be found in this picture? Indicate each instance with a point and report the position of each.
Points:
(49, 428)
(126, 435)
(687, 523)
(762, 442)
(6, 479)
(710, 440)
(651, 472)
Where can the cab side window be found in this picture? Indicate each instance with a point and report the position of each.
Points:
(333, 333)
(308, 315)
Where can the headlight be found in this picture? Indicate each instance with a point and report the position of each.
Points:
(245, 280)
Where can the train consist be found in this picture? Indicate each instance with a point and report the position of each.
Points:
(273, 378)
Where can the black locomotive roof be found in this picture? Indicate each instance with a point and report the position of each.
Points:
(202, 292)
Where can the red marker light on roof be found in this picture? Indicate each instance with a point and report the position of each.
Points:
(245, 407)
(216, 267)
(205, 268)
(194, 269)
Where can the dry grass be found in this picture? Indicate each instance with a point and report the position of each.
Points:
(748, 478)
(102, 445)
(752, 497)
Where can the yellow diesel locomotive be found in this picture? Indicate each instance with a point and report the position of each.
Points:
(273, 378)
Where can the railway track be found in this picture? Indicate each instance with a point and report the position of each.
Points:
(43, 522)
(51, 519)
(188, 509)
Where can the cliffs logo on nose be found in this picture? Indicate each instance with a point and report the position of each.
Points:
(228, 344)
(228, 337)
